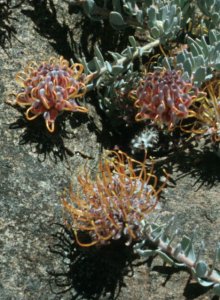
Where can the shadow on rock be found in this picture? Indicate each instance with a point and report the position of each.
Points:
(91, 31)
(7, 29)
(42, 142)
(192, 158)
(167, 271)
(90, 273)
(44, 16)
(193, 290)
(202, 165)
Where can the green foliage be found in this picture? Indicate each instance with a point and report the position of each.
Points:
(180, 255)
(202, 58)
(114, 79)
(188, 36)
(211, 9)
(162, 20)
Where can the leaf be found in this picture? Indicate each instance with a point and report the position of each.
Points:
(196, 44)
(139, 17)
(199, 61)
(151, 12)
(98, 64)
(166, 26)
(140, 51)
(212, 36)
(98, 53)
(116, 20)
(132, 41)
(205, 46)
(89, 6)
(85, 65)
(186, 76)
(195, 50)
(157, 231)
(199, 75)
(216, 289)
(155, 32)
(115, 55)
(146, 253)
(204, 283)
(139, 245)
(187, 65)
(187, 247)
(108, 66)
(215, 17)
(165, 257)
(116, 70)
(166, 64)
(201, 269)
(185, 243)
(128, 53)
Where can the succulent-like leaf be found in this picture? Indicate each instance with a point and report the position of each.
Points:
(201, 269)
(165, 257)
(199, 75)
(98, 54)
(216, 289)
(116, 20)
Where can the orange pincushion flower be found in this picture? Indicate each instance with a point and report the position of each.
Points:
(50, 88)
(113, 205)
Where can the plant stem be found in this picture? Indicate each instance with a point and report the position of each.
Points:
(122, 61)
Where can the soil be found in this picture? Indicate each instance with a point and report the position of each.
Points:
(39, 259)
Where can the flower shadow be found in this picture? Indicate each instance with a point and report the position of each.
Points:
(41, 141)
(202, 165)
(90, 273)
(199, 160)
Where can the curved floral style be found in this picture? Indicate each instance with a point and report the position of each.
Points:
(50, 88)
(115, 203)
(164, 97)
(208, 113)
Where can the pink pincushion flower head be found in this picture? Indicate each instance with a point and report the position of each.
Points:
(50, 88)
(164, 97)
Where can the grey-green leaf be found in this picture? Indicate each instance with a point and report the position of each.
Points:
(201, 269)
(199, 75)
(216, 289)
(116, 19)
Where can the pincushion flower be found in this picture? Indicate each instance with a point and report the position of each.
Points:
(164, 97)
(50, 88)
(114, 204)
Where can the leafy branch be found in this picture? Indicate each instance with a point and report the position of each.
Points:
(180, 255)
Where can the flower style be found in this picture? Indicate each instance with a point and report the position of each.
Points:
(208, 113)
(164, 97)
(50, 88)
(113, 205)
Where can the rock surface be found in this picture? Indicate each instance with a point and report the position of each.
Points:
(36, 257)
